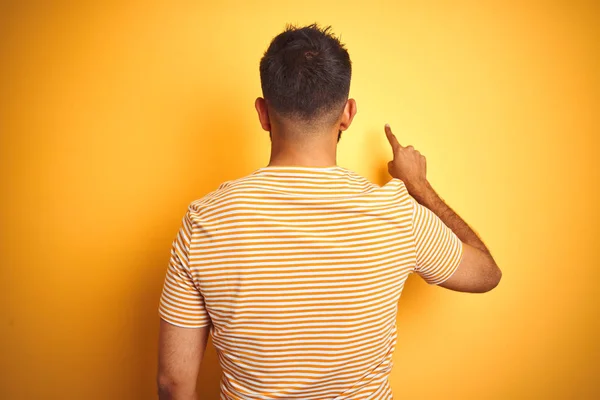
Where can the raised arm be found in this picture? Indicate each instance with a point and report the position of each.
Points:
(476, 271)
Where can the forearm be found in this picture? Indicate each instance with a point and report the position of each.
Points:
(427, 196)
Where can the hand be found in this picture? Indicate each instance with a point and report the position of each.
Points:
(408, 165)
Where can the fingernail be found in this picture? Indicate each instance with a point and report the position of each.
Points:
(387, 125)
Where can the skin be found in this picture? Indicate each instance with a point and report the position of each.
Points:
(181, 350)
(477, 271)
(180, 353)
(295, 143)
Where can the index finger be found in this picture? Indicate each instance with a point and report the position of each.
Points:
(391, 137)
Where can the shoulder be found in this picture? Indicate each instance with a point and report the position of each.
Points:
(226, 191)
(394, 194)
(394, 187)
(397, 188)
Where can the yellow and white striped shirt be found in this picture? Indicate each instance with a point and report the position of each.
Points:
(300, 270)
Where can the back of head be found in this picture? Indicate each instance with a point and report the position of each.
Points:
(305, 76)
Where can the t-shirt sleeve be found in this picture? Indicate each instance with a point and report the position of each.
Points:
(181, 302)
(438, 248)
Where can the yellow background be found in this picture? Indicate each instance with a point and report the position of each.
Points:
(115, 116)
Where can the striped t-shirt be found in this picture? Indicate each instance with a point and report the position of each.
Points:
(299, 270)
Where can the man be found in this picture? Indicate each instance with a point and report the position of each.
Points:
(296, 269)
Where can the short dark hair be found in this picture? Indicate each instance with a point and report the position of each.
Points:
(305, 73)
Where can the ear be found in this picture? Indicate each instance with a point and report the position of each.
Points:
(263, 113)
(348, 114)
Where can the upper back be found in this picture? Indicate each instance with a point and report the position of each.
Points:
(300, 271)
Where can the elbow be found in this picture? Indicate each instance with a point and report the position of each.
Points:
(171, 389)
(494, 278)
(491, 274)
(166, 388)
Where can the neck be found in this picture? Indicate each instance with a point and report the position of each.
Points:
(314, 151)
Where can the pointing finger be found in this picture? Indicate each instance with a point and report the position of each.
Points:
(391, 137)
